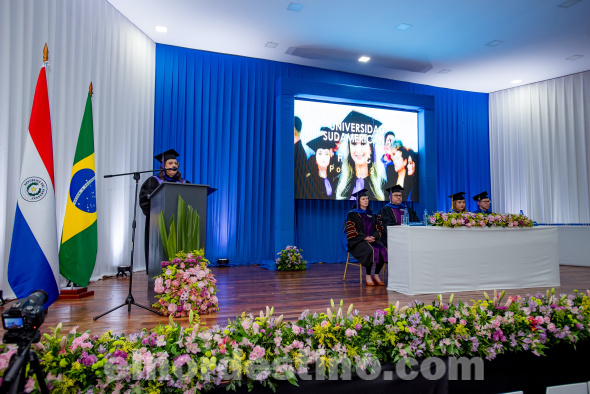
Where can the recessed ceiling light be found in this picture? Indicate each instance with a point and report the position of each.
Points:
(271, 44)
(295, 7)
(364, 59)
(568, 3)
(445, 71)
(574, 57)
(516, 81)
(161, 29)
(403, 26)
(494, 43)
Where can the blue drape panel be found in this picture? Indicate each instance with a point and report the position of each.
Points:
(218, 111)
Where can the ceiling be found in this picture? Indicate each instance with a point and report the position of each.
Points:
(534, 37)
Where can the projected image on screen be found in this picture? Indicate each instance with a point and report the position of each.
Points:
(340, 149)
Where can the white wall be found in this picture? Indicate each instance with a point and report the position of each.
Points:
(88, 41)
(539, 149)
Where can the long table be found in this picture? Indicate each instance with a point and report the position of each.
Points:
(429, 259)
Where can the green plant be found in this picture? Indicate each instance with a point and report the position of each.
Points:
(184, 235)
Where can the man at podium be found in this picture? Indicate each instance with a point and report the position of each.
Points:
(168, 173)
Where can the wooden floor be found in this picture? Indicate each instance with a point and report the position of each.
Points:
(251, 289)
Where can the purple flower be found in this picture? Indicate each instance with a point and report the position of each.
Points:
(87, 360)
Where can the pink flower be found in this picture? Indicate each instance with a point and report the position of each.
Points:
(255, 328)
(452, 320)
(469, 224)
(201, 274)
(324, 323)
(246, 324)
(172, 308)
(432, 219)
(296, 329)
(482, 223)
(453, 221)
(257, 353)
(350, 332)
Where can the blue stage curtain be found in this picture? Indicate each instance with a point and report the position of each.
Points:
(218, 111)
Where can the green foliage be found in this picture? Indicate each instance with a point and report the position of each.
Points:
(185, 235)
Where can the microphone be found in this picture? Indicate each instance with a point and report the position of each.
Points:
(171, 169)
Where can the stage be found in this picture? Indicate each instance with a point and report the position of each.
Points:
(251, 289)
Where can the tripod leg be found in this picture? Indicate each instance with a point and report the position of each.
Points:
(107, 312)
(34, 360)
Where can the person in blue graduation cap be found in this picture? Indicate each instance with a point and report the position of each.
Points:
(168, 173)
(362, 238)
(458, 203)
(483, 202)
(359, 168)
(320, 179)
(392, 213)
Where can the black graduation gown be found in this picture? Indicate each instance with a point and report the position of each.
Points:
(386, 217)
(301, 169)
(147, 188)
(366, 253)
(368, 186)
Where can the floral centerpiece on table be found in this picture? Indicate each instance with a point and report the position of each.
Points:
(290, 259)
(264, 349)
(186, 284)
(472, 219)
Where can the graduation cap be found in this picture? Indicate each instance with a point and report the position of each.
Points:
(321, 143)
(457, 196)
(358, 118)
(358, 195)
(167, 155)
(393, 188)
(481, 196)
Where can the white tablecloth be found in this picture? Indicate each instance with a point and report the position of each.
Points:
(438, 260)
(574, 245)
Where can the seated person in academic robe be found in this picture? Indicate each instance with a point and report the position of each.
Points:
(483, 202)
(363, 238)
(168, 173)
(458, 203)
(320, 179)
(392, 213)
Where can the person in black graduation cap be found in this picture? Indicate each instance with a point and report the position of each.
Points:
(300, 158)
(483, 202)
(362, 238)
(168, 173)
(392, 213)
(320, 179)
(458, 203)
(359, 168)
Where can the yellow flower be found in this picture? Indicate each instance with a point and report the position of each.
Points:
(76, 366)
(64, 386)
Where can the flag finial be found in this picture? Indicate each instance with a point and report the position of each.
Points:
(90, 89)
(45, 53)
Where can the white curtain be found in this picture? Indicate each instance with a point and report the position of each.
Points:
(539, 148)
(88, 41)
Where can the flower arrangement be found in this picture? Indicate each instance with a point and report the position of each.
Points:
(186, 284)
(265, 349)
(472, 219)
(290, 259)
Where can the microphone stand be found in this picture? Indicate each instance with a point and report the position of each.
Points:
(129, 300)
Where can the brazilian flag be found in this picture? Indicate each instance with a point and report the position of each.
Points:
(77, 253)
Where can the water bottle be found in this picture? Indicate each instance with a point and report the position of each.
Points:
(406, 218)
(521, 213)
(425, 217)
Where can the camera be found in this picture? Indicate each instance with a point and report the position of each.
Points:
(27, 314)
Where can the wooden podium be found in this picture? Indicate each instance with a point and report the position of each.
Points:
(165, 199)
